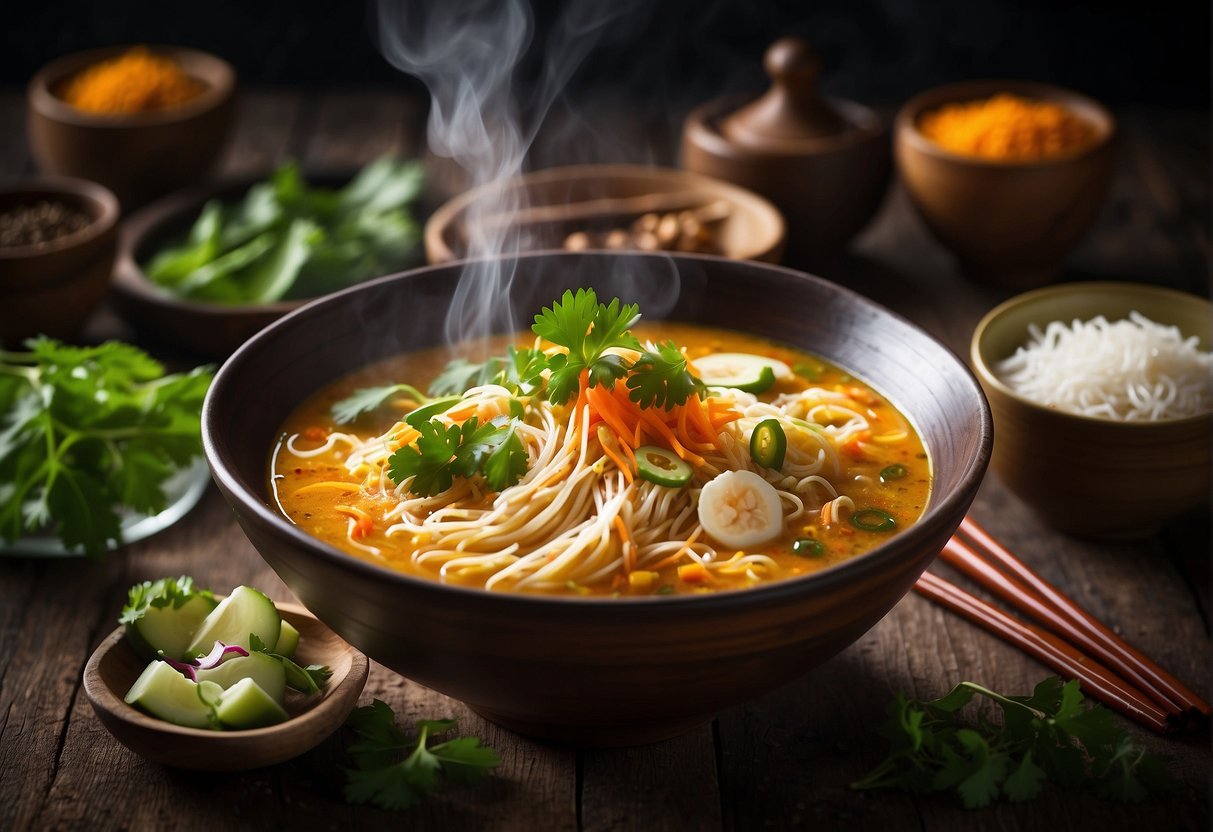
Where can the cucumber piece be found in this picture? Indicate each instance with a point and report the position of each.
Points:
(246, 705)
(266, 671)
(163, 692)
(169, 628)
(741, 371)
(246, 611)
(288, 641)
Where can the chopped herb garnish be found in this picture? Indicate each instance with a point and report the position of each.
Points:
(443, 452)
(392, 771)
(368, 399)
(1048, 736)
(166, 592)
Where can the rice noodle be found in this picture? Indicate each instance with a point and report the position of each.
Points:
(1131, 370)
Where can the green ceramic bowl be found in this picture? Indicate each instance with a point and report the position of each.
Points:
(1090, 476)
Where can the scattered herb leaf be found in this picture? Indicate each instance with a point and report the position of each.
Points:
(367, 399)
(165, 592)
(443, 452)
(393, 771)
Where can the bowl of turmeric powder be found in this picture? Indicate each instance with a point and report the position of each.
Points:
(140, 120)
(1008, 175)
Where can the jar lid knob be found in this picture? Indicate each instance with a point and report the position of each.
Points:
(791, 109)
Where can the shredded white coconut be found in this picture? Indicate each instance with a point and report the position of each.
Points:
(1133, 370)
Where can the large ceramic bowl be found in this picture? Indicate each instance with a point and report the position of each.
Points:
(1086, 475)
(1009, 223)
(136, 155)
(603, 671)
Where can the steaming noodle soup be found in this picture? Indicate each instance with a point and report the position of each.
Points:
(626, 476)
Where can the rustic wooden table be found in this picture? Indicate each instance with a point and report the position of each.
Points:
(781, 761)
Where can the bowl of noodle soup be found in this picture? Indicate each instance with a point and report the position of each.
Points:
(554, 592)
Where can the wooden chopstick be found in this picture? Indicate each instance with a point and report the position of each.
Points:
(1098, 681)
(1046, 603)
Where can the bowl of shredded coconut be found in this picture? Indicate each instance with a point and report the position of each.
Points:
(1102, 396)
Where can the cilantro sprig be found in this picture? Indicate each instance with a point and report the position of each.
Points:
(165, 592)
(1048, 736)
(88, 432)
(393, 771)
(443, 452)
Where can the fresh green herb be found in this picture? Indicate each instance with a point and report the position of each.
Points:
(661, 376)
(285, 239)
(896, 471)
(368, 399)
(873, 520)
(393, 771)
(587, 329)
(768, 444)
(309, 679)
(86, 432)
(518, 371)
(166, 592)
(443, 452)
(807, 547)
(1046, 736)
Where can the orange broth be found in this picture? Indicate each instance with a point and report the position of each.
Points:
(902, 493)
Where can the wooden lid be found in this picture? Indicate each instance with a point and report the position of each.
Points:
(791, 110)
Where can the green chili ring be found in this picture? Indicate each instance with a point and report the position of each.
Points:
(769, 444)
(662, 466)
(807, 547)
(873, 520)
(895, 471)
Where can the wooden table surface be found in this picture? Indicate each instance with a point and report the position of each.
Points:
(781, 761)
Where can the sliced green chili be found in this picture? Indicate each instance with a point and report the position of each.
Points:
(893, 472)
(873, 520)
(768, 444)
(807, 547)
(662, 466)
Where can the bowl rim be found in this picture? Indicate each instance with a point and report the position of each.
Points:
(932, 523)
(46, 103)
(987, 376)
(105, 213)
(906, 120)
(701, 128)
(434, 231)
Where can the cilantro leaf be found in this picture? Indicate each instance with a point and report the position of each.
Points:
(586, 328)
(393, 772)
(443, 452)
(368, 399)
(87, 433)
(661, 376)
(166, 592)
(506, 464)
(428, 461)
(519, 371)
(1049, 735)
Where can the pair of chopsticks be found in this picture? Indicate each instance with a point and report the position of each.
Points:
(1109, 669)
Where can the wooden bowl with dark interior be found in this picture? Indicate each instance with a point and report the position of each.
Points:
(598, 671)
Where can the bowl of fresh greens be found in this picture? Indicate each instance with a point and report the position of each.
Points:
(206, 268)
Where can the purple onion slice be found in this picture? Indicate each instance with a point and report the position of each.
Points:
(218, 653)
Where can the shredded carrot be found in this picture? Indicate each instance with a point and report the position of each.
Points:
(604, 440)
(363, 524)
(629, 549)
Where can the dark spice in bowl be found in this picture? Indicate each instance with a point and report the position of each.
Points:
(40, 223)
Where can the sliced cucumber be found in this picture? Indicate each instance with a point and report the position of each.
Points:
(163, 692)
(246, 705)
(210, 693)
(169, 628)
(741, 371)
(246, 611)
(288, 641)
(266, 671)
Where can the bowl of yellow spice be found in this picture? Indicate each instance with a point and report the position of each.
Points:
(1008, 175)
(141, 120)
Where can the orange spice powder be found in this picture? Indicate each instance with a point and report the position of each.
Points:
(1008, 128)
(134, 82)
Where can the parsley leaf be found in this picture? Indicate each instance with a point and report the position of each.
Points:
(368, 399)
(394, 772)
(88, 432)
(443, 452)
(1049, 735)
(586, 328)
(661, 376)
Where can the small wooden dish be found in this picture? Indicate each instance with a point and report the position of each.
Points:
(114, 666)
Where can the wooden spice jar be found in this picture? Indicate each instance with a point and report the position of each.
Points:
(825, 163)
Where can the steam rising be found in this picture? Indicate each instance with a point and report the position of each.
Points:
(467, 53)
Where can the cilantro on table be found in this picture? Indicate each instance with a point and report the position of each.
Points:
(285, 239)
(87, 433)
(1049, 735)
(393, 771)
(443, 452)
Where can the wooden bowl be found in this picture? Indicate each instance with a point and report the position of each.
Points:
(753, 230)
(1009, 223)
(595, 670)
(140, 155)
(1084, 475)
(827, 188)
(50, 289)
(114, 666)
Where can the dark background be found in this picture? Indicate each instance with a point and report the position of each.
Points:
(880, 51)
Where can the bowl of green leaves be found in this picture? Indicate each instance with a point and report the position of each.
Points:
(204, 269)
